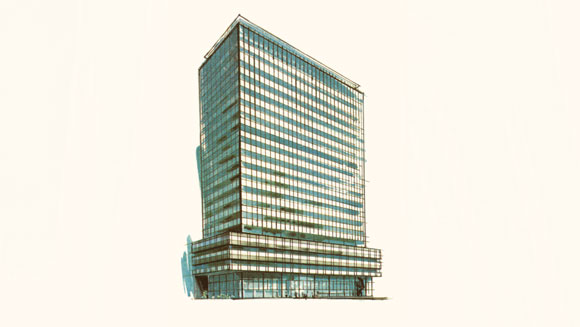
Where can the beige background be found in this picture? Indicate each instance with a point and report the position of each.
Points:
(472, 116)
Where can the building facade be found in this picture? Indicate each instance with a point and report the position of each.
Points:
(282, 174)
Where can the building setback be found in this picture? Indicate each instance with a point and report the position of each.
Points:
(282, 174)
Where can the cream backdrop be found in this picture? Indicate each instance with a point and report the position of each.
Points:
(472, 113)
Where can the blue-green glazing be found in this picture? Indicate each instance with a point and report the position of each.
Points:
(302, 144)
(281, 166)
(219, 152)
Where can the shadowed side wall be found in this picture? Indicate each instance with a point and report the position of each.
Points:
(219, 149)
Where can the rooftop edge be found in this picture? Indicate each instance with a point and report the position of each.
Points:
(242, 20)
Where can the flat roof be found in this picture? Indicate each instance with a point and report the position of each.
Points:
(243, 21)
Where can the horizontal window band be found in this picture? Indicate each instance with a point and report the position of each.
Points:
(210, 172)
(266, 241)
(308, 192)
(223, 173)
(301, 212)
(299, 235)
(219, 176)
(223, 195)
(220, 185)
(209, 126)
(269, 136)
(293, 155)
(256, 70)
(298, 78)
(215, 232)
(299, 124)
(288, 221)
(298, 135)
(312, 260)
(290, 56)
(297, 112)
(230, 126)
(225, 263)
(228, 219)
(279, 170)
(299, 199)
(222, 100)
(211, 105)
(295, 100)
(290, 166)
(278, 173)
(291, 139)
(302, 252)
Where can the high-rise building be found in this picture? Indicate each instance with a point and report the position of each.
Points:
(282, 174)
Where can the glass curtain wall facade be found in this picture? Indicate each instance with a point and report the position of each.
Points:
(220, 146)
(282, 174)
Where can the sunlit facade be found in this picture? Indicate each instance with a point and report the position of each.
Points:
(282, 174)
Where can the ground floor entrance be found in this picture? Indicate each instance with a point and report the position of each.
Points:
(281, 285)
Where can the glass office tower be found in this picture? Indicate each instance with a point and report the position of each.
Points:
(282, 174)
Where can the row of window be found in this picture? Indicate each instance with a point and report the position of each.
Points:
(299, 124)
(264, 98)
(295, 60)
(285, 256)
(263, 266)
(252, 285)
(270, 242)
(259, 184)
(285, 89)
(285, 227)
(269, 63)
(297, 134)
(280, 219)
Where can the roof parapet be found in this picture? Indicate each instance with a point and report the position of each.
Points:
(244, 21)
